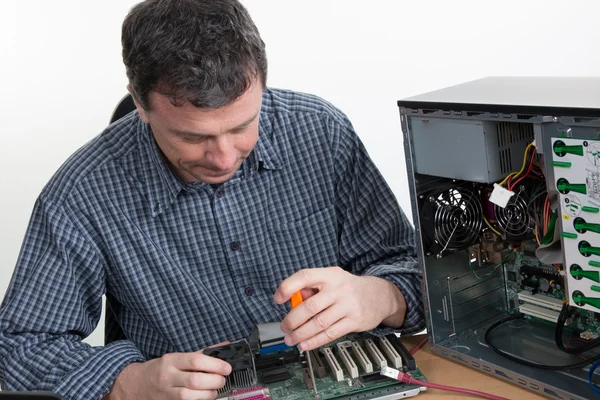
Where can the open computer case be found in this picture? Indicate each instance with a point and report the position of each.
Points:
(504, 178)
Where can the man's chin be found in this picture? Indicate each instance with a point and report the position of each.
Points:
(214, 177)
(216, 180)
(198, 173)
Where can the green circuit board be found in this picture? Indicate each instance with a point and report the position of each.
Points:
(536, 272)
(329, 388)
(293, 382)
(527, 273)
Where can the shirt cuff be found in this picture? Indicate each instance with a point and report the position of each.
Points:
(94, 378)
(410, 286)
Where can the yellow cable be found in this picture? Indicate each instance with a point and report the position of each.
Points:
(490, 225)
(476, 276)
(507, 178)
(486, 275)
(537, 237)
(522, 167)
(530, 145)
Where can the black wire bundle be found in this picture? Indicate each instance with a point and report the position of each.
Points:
(504, 354)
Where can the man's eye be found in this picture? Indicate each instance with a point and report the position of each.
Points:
(194, 139)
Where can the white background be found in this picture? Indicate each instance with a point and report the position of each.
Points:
(61, 72)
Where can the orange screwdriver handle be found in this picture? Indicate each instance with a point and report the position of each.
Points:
(296, 299)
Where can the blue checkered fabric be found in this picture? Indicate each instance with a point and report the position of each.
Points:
(189, 265)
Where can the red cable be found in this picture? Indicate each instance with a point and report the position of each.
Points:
(418, 346)
(512, 185)
(546, 214)
(577, 340)
(410, 380)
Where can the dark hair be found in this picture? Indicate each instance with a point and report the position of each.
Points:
(207, 52)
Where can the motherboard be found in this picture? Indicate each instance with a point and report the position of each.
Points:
(348, 368)
(537, 290)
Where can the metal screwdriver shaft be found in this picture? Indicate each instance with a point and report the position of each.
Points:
(295, 301)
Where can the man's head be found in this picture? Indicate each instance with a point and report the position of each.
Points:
(196, 70)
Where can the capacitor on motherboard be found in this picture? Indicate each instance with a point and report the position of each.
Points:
(544, 285)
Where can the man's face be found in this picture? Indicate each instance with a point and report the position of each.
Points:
(205, 145)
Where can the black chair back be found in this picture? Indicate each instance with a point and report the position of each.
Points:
(125, 106)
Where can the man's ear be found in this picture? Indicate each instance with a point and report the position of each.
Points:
(141, 111)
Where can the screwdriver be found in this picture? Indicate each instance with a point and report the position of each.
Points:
(295, 301)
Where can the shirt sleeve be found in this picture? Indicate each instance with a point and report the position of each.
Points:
(376, 239)
(54, 301)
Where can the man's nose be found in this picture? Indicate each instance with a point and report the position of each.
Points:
(223, 153)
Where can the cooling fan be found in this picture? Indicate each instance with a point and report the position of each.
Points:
(514, 221)
(451, 219)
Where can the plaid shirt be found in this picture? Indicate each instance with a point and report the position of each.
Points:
(189, 265)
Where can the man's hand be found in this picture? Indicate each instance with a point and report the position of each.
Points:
(336, 303)
(182, 376)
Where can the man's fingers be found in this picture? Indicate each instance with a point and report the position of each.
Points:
(303, 279)
(199, 362)
(317, 324)
(335, 331)
(199, 381)
(305, 311)
(308, 293)
(189, 394)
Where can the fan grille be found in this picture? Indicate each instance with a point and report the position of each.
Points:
(513, 220)
(457, 220)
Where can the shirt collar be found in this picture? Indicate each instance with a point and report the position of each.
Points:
(163, 186)
(264, 154)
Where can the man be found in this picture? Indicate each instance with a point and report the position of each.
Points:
(199, 216)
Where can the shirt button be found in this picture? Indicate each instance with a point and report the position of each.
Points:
(235, 246)
(219, 193)
(249, 291)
